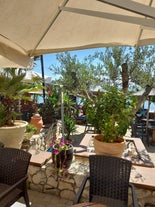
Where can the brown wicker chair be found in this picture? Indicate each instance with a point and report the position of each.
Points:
(13, 175)
(109, 181)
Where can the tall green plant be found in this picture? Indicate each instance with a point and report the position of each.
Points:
(69, 115)
(51, 106)
(110, 113)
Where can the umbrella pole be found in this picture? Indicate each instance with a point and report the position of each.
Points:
(42, 71)
(147, 116)
(62, 111)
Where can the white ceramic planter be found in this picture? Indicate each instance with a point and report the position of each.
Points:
(13, 136)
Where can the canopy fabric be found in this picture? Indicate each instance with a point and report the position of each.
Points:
(32, 74)
(30, 27)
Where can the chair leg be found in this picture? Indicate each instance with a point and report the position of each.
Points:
(26, 198)
(148, 144)
(85, 128)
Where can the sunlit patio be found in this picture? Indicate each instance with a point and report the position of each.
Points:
(32, 29)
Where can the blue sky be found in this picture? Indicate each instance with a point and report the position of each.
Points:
(50, 59)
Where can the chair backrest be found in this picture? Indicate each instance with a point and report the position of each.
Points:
(109, 177)
(13, 165)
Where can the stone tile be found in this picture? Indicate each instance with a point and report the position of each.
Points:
(39, 199)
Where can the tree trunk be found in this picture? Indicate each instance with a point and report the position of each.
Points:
(125, 77)
(142, 98)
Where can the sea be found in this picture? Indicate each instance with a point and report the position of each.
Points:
(152, 106)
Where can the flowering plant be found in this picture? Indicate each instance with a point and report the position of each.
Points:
(58, 144)
(51, 107)
(62, 154)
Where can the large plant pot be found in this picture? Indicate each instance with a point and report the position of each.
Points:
(12, 136)
(113, 149)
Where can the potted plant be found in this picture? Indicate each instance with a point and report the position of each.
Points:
(111, 114)
(29, 132)
(62, 148)
(62, 155)
(12, 90)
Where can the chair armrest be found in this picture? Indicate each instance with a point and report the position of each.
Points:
(80, 191)
(134, 198)
(12, 187)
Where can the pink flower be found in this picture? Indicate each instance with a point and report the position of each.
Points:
(56, 151)
(58, 145)
(50, 92)
(64, 165)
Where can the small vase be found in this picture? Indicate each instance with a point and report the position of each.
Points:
(63, 159)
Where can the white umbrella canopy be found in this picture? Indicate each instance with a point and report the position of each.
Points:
(31, 27)
(30, 74)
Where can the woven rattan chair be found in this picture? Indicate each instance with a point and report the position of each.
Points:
(13, 175)
(140, 130)
(109, 181)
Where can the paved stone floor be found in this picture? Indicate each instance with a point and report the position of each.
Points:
(151, 151)
(38, 199)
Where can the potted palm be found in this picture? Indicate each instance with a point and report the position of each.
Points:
(111, 114)
(12, 90)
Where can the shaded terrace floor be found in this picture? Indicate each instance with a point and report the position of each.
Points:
(38, 199)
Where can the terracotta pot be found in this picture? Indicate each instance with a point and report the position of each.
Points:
(12, 136)
(37, 121)
(104, 148)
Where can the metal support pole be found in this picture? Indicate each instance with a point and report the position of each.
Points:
(62, 111)
(43, 77)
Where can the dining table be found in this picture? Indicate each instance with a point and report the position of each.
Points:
(150, 121)
(89, 204)
(151, 127)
